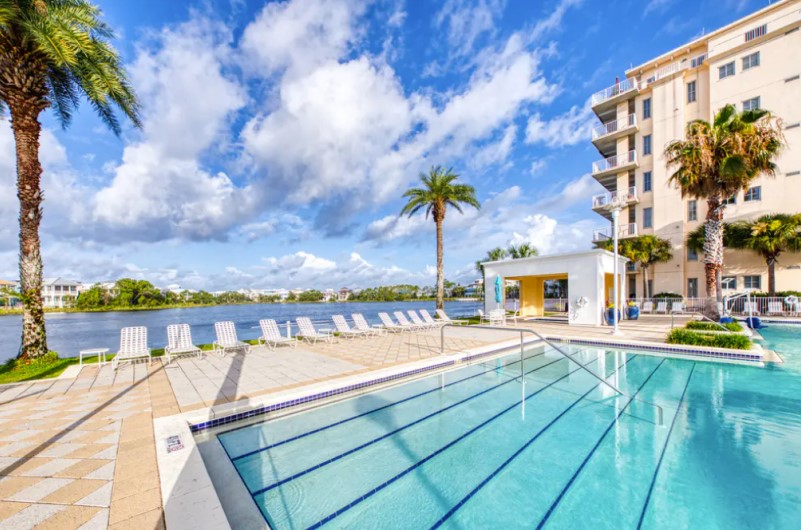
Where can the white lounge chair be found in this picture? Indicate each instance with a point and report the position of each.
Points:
(445, 318)
(403, 321)
(359, 322)
(227, 340)
(647, 307)
(344, 329)
(271, 334)
(389, 325)
(775, 308)
(481, 316)
(419, 322)
(133, 346)
(179, 342)
(750, 308)
(661, 307)
(429, 320)
(677, 307)
(310, 334)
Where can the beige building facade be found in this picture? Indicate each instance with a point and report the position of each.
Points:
(753, 62)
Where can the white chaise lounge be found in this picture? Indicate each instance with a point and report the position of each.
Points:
(271, 336)
(403, 321)
(419, 322)
(344, 329)
(428, 319)
(750, 308)
(133, 346)
(310, 334)
(443, 316)
(227, 341)
(661, 307)
(179, 342)
(647, 307)
(389, 325)
(359, 322)
(775, 308)
(677, 307)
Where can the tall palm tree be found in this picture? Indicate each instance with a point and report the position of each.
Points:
(52, 52)
(714, 162)
(440, 189)
(645, 250)
(496, 254)
(770, 236)
(523, 250)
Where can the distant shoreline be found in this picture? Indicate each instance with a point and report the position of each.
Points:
(15, 311)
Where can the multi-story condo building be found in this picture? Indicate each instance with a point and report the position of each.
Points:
(753, 62)
(57, 292)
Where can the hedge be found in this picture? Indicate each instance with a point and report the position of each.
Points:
(667, 295)
(694, 338)
(709, 326)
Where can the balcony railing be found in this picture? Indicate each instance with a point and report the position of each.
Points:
(671, 69)
(621, 198)
(614, 90)
(614, 161)
(614, 126)
(624, 231)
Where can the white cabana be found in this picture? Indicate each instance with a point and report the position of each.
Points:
(589, 275)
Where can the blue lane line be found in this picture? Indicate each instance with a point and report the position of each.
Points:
(391, 433)
(442, 449)
(346, 420)
(594, 448)
(664, 448)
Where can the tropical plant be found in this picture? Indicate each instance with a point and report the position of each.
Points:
(439, 191)
(523, 250)
(496, 254)
(52, 52)
(716, 161)
(645, 251)
(770, 236)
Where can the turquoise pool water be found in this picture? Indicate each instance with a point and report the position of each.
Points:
(483, 447)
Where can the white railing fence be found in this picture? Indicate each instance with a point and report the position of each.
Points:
(614, 126)
(614, 90)
(614, 161)
(624, 197)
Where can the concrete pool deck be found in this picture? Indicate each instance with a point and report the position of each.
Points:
(81, 452)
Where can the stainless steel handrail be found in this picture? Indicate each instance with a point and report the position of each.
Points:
(555, 347)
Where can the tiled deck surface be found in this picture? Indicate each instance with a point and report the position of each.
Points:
(80, 453)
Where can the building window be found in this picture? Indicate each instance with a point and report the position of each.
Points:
(646, 108)
(632, 287)
(646, 181)
(691, 95)
(751, 104)
(730, 200)
(753, 194)
(692, 255)
(650, 284)
(646, 144)
(751, 61)
(727, 70)
(647, 217)
(729, 282)
(692, 287)
(692, 210)
(753, 282)
(632, 214)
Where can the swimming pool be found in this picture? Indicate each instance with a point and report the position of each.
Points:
(483, 447)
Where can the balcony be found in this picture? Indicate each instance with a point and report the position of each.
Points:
(621, 199)
(669, 70)
(605, 135)
(624, 231)
(614, 165)
(614, 94)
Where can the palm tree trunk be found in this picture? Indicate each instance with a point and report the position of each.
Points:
(26, 127)
(713, 255)
(440, 276)
(645, 293)
(771, 276)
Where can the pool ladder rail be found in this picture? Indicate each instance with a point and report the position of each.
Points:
(521, 331)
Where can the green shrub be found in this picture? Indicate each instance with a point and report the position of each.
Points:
(694, 338)
(709, 326)
(667, 295)
(779, 294)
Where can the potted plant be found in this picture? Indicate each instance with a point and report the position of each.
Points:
(632, 310)
(610, 314)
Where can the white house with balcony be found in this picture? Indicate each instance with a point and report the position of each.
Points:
(58, 292)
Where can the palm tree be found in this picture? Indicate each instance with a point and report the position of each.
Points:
(523, 250)
(496, 254)
(769, 236)
(52, 52)
(439, 191)
(714, 162)
(645, 250)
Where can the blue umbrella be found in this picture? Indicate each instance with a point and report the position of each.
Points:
(498, 289)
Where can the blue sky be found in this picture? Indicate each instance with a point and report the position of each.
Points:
(279, 136)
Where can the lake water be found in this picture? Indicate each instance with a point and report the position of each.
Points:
(67, 333)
